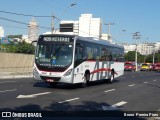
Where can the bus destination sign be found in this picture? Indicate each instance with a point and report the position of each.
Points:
(57, 39)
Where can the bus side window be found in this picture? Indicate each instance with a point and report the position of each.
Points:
(103, 53)
(79, 53)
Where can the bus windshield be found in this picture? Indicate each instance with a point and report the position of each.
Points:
(54, 54)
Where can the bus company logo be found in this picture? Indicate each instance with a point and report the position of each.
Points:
(6, 114)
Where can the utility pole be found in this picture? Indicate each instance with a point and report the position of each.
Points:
(52, 24)
(153, 55)
(109, 34)
(136, 36)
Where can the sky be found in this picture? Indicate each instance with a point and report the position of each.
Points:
(129, 15)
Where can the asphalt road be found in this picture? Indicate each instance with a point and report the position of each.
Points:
(134, 91)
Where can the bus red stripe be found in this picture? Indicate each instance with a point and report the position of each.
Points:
(103, 69)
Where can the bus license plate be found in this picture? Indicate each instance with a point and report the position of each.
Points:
(50, 80)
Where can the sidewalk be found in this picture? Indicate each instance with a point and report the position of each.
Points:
(5, 75)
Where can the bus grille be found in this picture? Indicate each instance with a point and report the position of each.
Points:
(53, 78)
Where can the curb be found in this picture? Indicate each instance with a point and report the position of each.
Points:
(16, 76)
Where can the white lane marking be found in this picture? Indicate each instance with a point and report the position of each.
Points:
(68, 100)
(119, 104)
(155, 80)
(33, 95)
(131, 85)
(115, 106)
(145, 82)
(109, 90)
(8, 90)
(8, 81)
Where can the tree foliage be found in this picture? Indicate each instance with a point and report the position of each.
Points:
(156, 57)
(15, 36)
(23, 47)
(130, 56)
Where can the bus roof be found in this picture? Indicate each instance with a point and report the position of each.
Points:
(99, 41)
(87, 39)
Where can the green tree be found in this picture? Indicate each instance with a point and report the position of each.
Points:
(25, 48)
(15, 36)
(149, 58)
(130, 56)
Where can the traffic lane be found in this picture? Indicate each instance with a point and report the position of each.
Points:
(73, 93)
(28, 83)
(15, 82)
(9, 99)
(95, 101)
(138, 97)
(13, 88)
(10, 89)
(58, 95)
(141, 74)
(121, 89)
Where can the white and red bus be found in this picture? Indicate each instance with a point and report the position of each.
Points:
(74, 59)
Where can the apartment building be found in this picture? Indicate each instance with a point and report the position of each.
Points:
(144, 48)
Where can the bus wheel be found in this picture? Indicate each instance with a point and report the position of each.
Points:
(54, 84)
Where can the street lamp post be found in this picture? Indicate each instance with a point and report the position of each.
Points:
(52, 17)
(136, 36)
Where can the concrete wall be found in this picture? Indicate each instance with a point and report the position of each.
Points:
(16, 63)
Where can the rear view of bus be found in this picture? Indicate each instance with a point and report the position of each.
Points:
(53, 59)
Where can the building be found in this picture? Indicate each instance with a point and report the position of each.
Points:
(33, 31)
(1, 31)
(129, 47)
(89, 26)
(69, 27)
(86, 26)
(144, 48)
(105, 36)
(157, 46)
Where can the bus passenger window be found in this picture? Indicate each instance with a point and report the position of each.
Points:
(79, 53)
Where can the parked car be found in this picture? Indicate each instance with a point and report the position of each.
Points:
(129, 66)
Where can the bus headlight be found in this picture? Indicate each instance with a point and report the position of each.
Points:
(68, 72)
